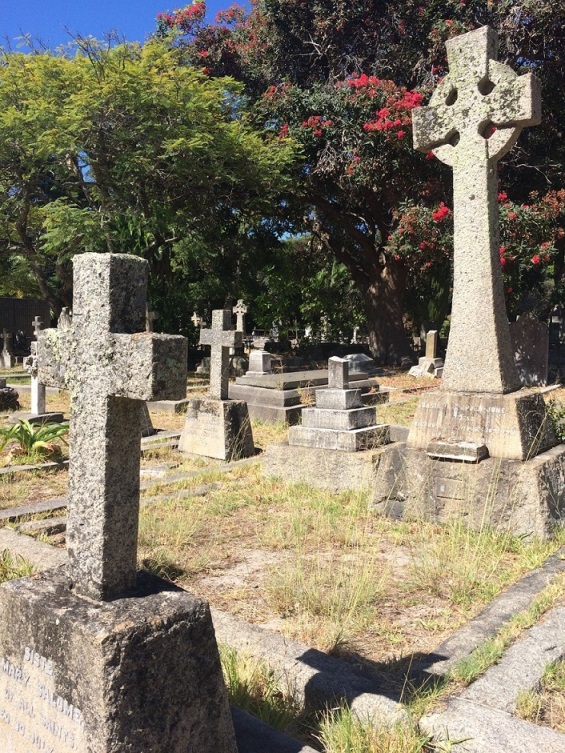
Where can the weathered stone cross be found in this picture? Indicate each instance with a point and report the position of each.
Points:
(36, 327)
(240, 309)
(110, 365)
(221, 338)
(6, 341)
(475, 116)
(196, 320)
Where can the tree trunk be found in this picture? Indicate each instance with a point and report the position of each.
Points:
(383, 307)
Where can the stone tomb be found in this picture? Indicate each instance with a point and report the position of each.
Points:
(530, 340)
(280, 398)
(334, 448)
(94, 657)
(478, 447)
(430, 365)
(217, 427)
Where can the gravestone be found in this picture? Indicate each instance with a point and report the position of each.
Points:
(65, 318)
(259, 363)
(361, 363)
(475, 116)
(430, 365)
(530, 340)
(95, 657)
(339, 421)
(240, 309)
(216, 426)
(7, 359)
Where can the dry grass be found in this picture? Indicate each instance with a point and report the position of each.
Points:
(397, 413)
(546, 706)
(32, 486)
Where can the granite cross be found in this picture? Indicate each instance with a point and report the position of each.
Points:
(36, 327)
(110, 365)
(196, 320)
(338, 373)
(475, 116)
(221, 338)
(38, 401)
(240, 310)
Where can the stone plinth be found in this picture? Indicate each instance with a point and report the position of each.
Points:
(331, 469)
(515, 426)
(133, 675)
(521, 497)
(353, 440)
(217, 429)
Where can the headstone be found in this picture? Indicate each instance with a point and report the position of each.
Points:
(430, 365)
(96, 657)
(65, 318)
(259, 363)
(240, 309)
(196, 320)
(530, 339)
(361, 363)
(355, 335)
(6, 356)
(217, 427)
(339, 421)
(475, 116)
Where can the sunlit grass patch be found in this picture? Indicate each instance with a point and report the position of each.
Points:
(13, 566)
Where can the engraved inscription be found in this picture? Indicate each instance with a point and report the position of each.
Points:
(33, 716)
(449, 488)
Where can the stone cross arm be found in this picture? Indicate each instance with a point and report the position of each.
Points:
(480, 107)
(142, 366)
(229, 338)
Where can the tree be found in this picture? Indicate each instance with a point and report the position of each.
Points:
(129, 149)
(341, 78)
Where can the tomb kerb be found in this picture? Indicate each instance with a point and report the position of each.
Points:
(110, 365)
(475, 116)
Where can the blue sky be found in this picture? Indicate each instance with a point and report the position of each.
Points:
(47, 19)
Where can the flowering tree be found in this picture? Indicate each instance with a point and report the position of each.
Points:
(342, 79)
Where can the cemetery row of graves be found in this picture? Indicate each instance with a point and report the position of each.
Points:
(370, 560)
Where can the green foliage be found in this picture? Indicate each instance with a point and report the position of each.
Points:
(556, 412)
(130, 149)
(33, 439)
(13, 567)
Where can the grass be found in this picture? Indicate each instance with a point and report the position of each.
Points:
(13, 567)
(546, 705)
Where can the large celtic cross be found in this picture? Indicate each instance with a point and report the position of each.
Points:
(474, 117)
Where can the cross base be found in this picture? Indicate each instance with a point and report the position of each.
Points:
(514, 426)
(217, 429)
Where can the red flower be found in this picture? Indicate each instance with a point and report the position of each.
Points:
(502, 196)
(441, 213)
(536, 258)
(400, 135)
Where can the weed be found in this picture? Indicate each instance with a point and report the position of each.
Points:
(34, 440)
(13, 567)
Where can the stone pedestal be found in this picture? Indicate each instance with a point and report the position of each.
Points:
(525, 498)
(82, 676)
(513, 426)
(217, 429)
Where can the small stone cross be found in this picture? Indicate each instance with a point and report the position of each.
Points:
(6, 341)
(240, 310)
(196, 320)
(150, 318)
(221, 338)
(338, 373)
(110, 365)
(37, 327)
(475, 116)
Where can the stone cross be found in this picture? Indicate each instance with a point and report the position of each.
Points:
(431, 344)
(475, 116)
(6, 341)
(150, 318)
(240, 310)
(221, 338)
(196, 320)
(110, 365)
(338, 373)
(30, 363)
(36, 327)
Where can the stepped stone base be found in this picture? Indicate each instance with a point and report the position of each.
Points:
(217, 429)
(513, 426)
(135, 674)
(522, 497)
(333, 470)
(355, 440)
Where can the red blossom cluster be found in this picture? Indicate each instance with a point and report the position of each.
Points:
(395, 116)
(184, 18)
(233, 15)
(441, 213)
(317, 123)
